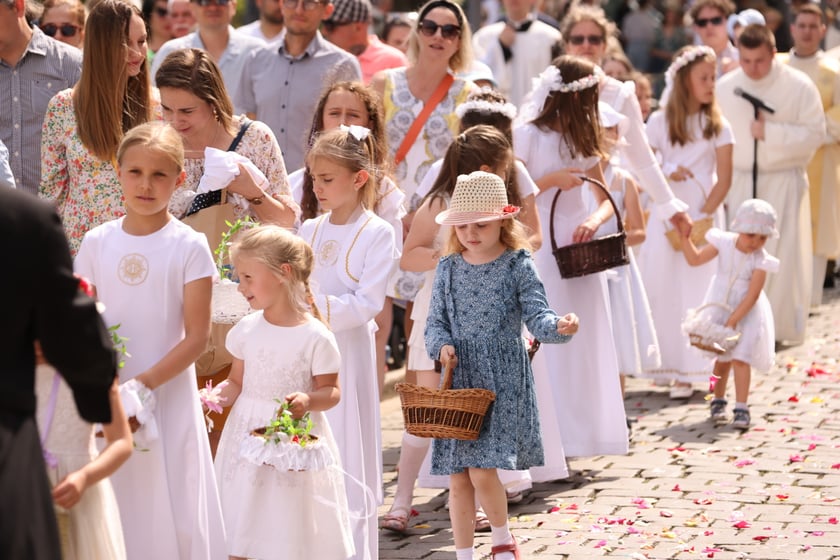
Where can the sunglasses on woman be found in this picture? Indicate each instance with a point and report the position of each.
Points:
(591, 39)
(448, 31)
(703, 22)
(67, 29)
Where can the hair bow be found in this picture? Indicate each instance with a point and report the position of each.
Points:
(358, 132)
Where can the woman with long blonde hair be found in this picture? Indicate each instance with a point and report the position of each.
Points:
(84, 125)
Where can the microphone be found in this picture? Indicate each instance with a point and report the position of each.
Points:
(756, 102)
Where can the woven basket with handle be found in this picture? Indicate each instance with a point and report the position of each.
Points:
(444, 413)
(595, 255)
(698, 228)
(706, 330)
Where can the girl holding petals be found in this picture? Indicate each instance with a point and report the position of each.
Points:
(694, 143)
(281, 352)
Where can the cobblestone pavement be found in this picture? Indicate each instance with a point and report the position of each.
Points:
(687, 489)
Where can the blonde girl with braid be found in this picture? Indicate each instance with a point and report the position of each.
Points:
(355, 252)
(282, 352)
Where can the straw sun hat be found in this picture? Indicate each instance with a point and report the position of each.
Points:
(755, 216)
(478, 197)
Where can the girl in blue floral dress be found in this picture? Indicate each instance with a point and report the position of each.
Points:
(483, 292)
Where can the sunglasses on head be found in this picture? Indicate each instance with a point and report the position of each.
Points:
(162, 12)
(591, 39)
(67, 29)
(703, 22)
(448, 31)
(205, 3)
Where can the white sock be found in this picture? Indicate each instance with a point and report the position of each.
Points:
(464, 553)
(741, 406)
(412, 453)
(501, 535)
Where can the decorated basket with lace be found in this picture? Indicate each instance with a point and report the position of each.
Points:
(287, 444)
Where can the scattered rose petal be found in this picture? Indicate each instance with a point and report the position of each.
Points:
(782, 497)
(744, 462)
(793, 398)
(832, 520)
(669, 534)
(742, 525)
(665, 513)
(600, 544)
(817, 533)
(679, 449)
(676, 488)
(812, 447)
(641, 503)
(761, 538)
(708, 533)
(572, 507)
(795, 458)
(633, 531)
(814, 371)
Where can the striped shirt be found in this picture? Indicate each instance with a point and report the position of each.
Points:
(46, 67)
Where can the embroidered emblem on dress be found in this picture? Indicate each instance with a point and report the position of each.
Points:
(133, 269)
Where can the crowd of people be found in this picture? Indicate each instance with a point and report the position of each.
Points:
(452, 174)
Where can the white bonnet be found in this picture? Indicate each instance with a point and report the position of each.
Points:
(755, 216)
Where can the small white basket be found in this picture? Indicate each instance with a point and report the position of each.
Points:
(706, 330)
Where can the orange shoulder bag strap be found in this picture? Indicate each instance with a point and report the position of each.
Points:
(420, 121)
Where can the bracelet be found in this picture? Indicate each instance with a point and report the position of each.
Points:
(256, 200)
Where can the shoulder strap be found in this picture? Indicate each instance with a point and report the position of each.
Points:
(419, 122)
(243, 128)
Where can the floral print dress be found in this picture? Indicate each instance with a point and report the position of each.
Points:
(86, 189)
(258, 145)
(480, 310)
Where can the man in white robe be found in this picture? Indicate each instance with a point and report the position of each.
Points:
(808, 29)
(787, 139)
(517, 49)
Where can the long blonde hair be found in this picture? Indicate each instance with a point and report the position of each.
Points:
(676, 109)
(274, 246)
(107, 102)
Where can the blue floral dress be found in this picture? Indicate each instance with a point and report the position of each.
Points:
(479, 309)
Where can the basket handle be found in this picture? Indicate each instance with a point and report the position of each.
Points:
(600, 185)
(447, 376)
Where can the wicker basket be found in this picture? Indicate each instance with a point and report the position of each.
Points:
(444, 413)
(595, 255)
(698, 229)
(706, 331)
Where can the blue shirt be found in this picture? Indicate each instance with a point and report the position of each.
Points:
(46, 67)
(283, 91)
(230, 63)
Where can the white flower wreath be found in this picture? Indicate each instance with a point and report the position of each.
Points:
(690, 55)
(482, 106)
(551, 80)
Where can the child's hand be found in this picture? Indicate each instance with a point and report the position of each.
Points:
(568, 324)
(69, 491)
(447, 356)
(298, 404)
(586, 230)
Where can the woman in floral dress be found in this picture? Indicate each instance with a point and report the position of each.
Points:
(84, 125)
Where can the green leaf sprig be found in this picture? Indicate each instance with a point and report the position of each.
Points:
(284, 424)
(119, 345)
(223, 249)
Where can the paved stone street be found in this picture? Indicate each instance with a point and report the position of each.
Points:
(687, 489)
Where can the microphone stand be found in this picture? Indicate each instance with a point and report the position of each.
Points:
(755, 157)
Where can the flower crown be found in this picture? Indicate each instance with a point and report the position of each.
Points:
(482, 106)
(356, 131)
(690, 55)
(551, 80)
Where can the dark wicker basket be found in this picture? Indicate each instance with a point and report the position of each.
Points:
(444, 413)
(595, 255)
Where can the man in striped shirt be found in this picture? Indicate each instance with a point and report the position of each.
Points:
(33, 68)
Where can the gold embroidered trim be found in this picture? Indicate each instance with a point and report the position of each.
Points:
(350, 249)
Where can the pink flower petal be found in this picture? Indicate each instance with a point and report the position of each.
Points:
(676, 488)
(795, 459)
(742, 525)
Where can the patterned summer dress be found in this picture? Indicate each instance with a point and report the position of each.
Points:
(480, 310)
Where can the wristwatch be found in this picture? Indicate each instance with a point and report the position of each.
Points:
(257, 200)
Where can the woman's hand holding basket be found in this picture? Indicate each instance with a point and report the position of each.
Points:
(447, 356)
